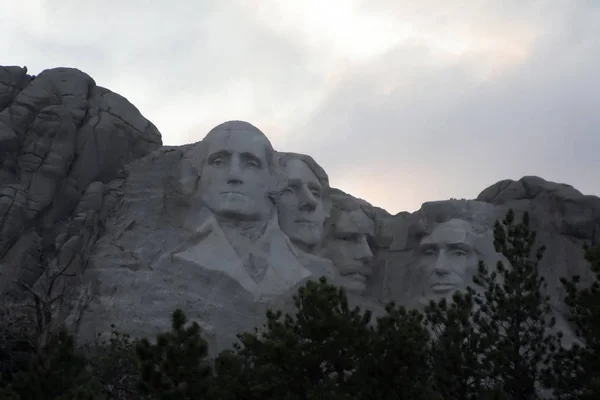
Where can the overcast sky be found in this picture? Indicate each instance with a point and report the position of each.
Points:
(401, 101)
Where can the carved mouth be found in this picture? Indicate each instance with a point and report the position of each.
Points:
(357, 276)
(305, 221)
(442, 287)
(238, 193)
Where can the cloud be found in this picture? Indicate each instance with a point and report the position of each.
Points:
(402, 102)
(186, 65)
(450, 128)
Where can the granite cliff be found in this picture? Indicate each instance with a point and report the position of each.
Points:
(106, 225)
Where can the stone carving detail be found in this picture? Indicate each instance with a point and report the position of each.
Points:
(227, 227)
(304, 201)
(240, 235)
(447, 258)
(443, 244)
(237, 173)
(350, 233)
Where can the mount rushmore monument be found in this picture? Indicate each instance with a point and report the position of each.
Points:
(105, 225)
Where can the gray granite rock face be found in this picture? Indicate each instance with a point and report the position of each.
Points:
(63, 139)
(227, 227)
(436, 249)
(226, 231)
(223, 228)
(564, 218)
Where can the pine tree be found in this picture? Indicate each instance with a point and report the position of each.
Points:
(8, 393)
(114, 363)
(175, 367)
(398, 361)
(313, 354)
(57, 371)
(574, 373)
(457, 361)
(233, 376)
(513, 316)
(493, 341)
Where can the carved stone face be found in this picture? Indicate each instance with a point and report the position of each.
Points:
(235, 177)
(349, 248)
(300, 207)
(447, 259)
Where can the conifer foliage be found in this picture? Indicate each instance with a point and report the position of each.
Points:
(513, 316)
(458, 371)
(174, 368)
(330, 350)
(491, 342)
(574, 373)
(398, 361)
(311, 354)
(494, 340)
(57, 371)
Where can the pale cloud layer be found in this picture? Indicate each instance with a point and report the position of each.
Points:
(402, 102)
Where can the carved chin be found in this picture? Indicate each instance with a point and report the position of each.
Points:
(354, 285)
(307, 241)
(431, 294)
(349, 267)
(241, 210)
(306, 234)
(234, 206)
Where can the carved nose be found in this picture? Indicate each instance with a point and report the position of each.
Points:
(235, 173)
(307, 200)
(441, 265)
(234, 180)
(363, 251)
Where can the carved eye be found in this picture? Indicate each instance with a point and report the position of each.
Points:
(289, 190)
(459, 253)
(218, 161)
(252, 163)
(349, 238)
(316, 194)
(428, 252)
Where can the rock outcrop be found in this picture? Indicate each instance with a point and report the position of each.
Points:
(564, 218)
(179, 237)
(227, 227)
(63, 139)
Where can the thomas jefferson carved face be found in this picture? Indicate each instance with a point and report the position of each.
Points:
(300, 207)
(235, 178)
(447, 259)
(349, 249)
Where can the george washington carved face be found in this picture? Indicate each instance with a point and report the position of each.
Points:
(236, 172)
